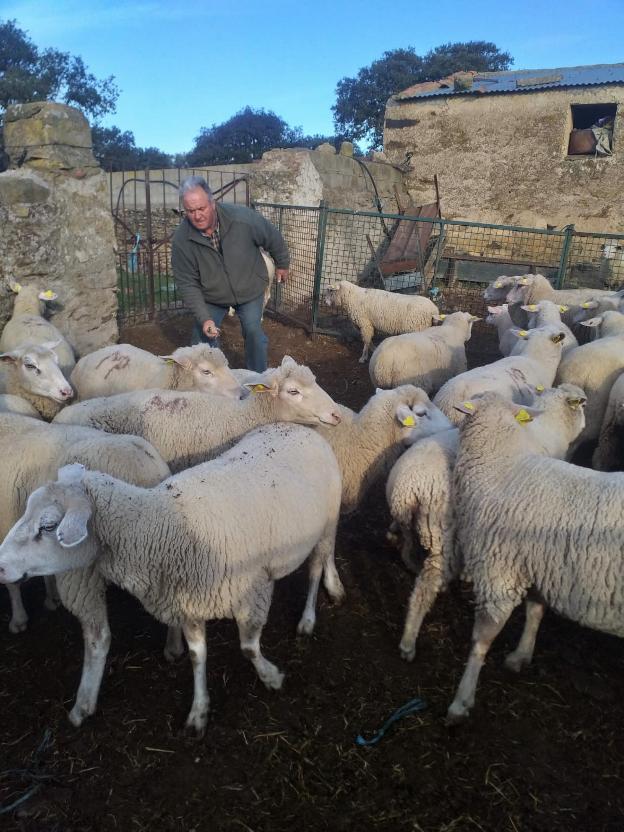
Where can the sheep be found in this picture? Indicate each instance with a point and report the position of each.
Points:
(498, 290)
(596, 306)
(27, 326)
(17, 405)
(32, 452)
(372, 310)
(206, 543)
(510, 376)
(366, 444)
(32, 373)
(122, 368)
(500, 318)
(609, 454)
(529, 523)
(188, 428)
(595, 367)
(427, 359)
(533, 288)
(546, 312)
(419, 495)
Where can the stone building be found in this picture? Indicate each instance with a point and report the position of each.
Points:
(533, 147)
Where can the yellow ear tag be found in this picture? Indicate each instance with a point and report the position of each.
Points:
(533, 308)
(522, 333)
(498, 285)
(468, 405)
(441, 317)
(16, 287)
(169, 361)
(48, 294)
(523, 416)
(563, 308)
(409, 422)
(585, 305)
(259, 388)
(539, 388)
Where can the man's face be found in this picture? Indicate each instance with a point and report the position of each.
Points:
(199, 209)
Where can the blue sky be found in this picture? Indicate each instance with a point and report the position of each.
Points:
(182, 66)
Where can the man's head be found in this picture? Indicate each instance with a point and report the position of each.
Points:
(199, 205)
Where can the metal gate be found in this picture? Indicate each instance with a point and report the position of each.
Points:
(146, 211)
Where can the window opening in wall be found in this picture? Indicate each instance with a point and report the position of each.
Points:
(592, 130)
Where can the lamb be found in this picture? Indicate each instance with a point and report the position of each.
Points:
(500, 318)
(595, 367)
(186, 550)
(372, 310)
(546, 312)
(32, 452)
(122, 368)
(510, 376)
(529, 523)
(419, 494)
(188, 428)
(427, 359)
(27, 326)
(609, 454)
(366, 444)
(32, 373)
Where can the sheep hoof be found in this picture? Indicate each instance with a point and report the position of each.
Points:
(17, 625)
(457, 713)
(516, 662)
(172, 655)
(51, 604)
(77, 715)
(306, 626)
(407, 653)
(363, 359)
(195, 726)
(272, 679)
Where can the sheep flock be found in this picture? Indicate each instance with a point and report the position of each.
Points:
(195, 487)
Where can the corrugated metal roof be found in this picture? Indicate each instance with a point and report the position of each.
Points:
(521, 80)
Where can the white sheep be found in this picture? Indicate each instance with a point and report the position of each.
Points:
(32, 373)
(609, 453)
(122, 368)
(17, 405)
(27, 326)
(498, 290)
(595, 367)
(546, 312)
(188, 428)
(532, 288)
(185, 548)
(499, 317)
(366, 444)
(420, 494)
(427, 359)
(375, 310)
(527, 523)
(511, 376)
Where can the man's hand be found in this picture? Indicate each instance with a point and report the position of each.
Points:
(210, 330)
(281, 275)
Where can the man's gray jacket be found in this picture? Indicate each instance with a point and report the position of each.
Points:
(203, 275)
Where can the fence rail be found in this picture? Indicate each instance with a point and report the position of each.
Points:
(457, 260)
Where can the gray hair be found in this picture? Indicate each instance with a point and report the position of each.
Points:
(191, 183)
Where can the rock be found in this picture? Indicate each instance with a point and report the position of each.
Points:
(326, 147)
(346, 148)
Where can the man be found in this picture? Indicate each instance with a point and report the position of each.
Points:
(217, 263)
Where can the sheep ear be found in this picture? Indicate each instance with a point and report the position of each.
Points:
(469, 408)
(474, 319)
(536, 389)
(592, 321)
(531, 307)
(257, 387)
(520, 333)
(288, 361)
(48, 295)
(405, 416)
(495, 310)
(50, 345)
(14, 286)
(523, 415)
(73, 528)
(563, 308)
(558, 338)
(184, 362)
(575, 402)
(590, 304)
(439, 318)
(9, 357)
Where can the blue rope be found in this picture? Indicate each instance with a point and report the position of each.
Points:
(411, 707)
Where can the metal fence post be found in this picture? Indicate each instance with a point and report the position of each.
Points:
(568, 232)
(318, 262)
(150, 247)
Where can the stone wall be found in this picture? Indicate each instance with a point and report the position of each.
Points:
(503, 158)
(56, 228)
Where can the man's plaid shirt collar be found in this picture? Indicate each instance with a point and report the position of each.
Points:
(215, 238)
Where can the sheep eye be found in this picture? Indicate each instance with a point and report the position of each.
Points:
(48, 527)
(293, 392)
(30, 366)
(206, 372)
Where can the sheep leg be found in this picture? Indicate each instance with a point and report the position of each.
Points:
(174, 645)
(195, 635)
(83, 593)
(250, 619)
(523, 654)
(366, 331)
(19, 616)
(426, 588)
(321, 562)
(52, 599)
(485, 630)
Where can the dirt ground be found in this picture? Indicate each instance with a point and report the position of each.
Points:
(543, 752)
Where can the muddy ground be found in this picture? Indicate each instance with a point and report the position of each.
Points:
(542, 752)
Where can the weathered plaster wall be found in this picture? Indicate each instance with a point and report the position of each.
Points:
(55, 225)
(502, 158)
